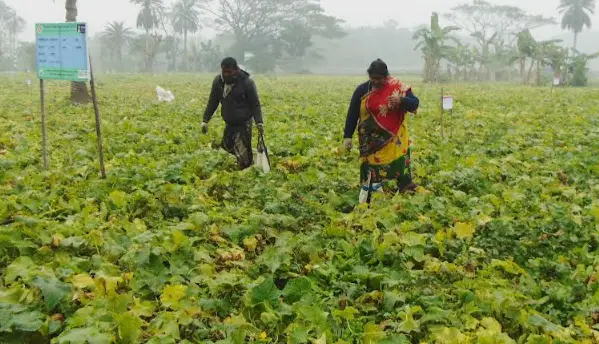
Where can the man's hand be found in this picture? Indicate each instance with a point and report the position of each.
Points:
(394, 101)
(347, 143)
(204, 127)
(260, 128)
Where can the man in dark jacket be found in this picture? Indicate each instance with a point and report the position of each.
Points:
(237, 94)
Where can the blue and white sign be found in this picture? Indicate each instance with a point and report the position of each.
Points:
(62, 51)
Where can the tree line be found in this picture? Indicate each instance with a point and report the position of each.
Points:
(270, 31)
(498, 38)
(11, 25)
(483, 41)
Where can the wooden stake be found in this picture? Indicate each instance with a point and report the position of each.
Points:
(97, 113)
(44, 135)
(442, 134)
(369, 197)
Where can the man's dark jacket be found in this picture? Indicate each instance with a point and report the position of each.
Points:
(241, 104)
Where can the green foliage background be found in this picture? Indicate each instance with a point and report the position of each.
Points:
(498, 246)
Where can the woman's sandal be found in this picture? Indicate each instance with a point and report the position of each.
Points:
(410, 188)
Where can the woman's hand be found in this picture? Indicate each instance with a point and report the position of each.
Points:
(347, 143)
(394, 101)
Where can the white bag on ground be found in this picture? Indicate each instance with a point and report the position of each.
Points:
(164, 95)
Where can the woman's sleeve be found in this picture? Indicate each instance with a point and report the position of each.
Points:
(353, 112)
(410, 102)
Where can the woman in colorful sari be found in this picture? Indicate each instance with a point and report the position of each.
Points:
(379, 109)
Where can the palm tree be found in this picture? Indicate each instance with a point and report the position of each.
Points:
(526, 49)
(578, 67)
(79, 93)
(14, 25)
(116, 35)
(542, 51)
(186, 19)
(5, 11)
(149, 18)
(576, 14)
(556, 57)
(171, 51)
(432, 43)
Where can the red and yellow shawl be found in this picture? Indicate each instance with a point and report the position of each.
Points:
(383, 133)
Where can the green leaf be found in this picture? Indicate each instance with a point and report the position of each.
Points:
(297, 334)
(87, 335)
(26, 322)
(313, 314)
(346, 314)
(408, 324)
(296, 289)
(595, 212)
(52, 290)
(464, 230)
(395, 339)
(413, 239)
(265, 292)
(83, 281)
(118, 198)
(540, 321)
(129, 328)
(20, 267)
(373, 334)
(171, 296)
(274, 258)
(321, 340)
(435, 315)
(391, 299)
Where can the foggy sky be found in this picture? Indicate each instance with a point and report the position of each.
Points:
(409, 14)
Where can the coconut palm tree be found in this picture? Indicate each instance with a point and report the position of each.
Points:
(117, 35)
(432, 42)
(186, 19)
(15, 24)
(576, 14)
(5, 14)
(150, 18)
(79, 93)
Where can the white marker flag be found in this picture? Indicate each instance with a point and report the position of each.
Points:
(447, 102)
(556, 81)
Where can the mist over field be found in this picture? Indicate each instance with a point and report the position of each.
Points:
(336, 37)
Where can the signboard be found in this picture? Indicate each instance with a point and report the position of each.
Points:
(556, 81)
(447, 103)
(62, 51)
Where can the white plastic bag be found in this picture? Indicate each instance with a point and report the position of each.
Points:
(262, 160)
(375, 187)
(164, 95)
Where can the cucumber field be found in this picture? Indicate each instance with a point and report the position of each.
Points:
(500, 243)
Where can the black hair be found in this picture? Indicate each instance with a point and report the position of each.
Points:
(229, 62)
(378, 67)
